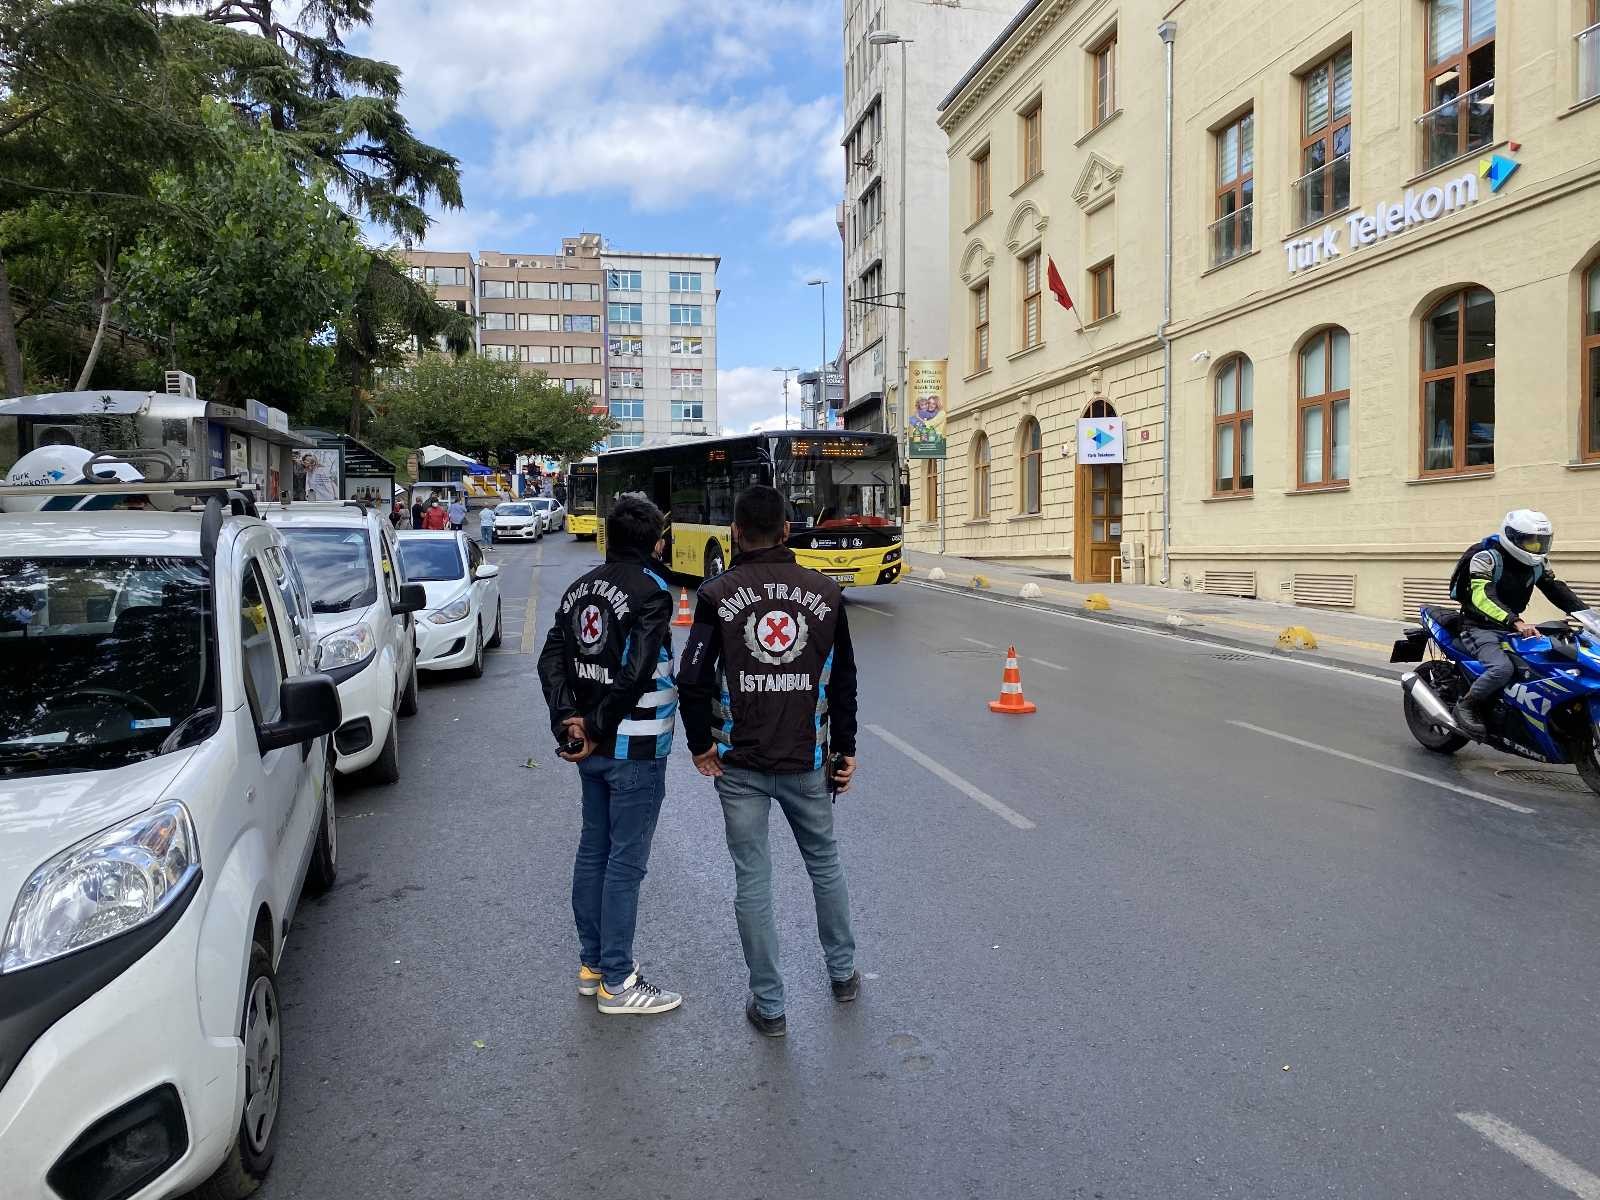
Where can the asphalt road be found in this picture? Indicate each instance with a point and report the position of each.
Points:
(1159, 940)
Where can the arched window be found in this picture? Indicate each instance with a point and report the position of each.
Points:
(1324, 409)
(1234, 427)
(1590, 444)
(980, 477)
(1458, 384)
(930, 490)
(1030, 453)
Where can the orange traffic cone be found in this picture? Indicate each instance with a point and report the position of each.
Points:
(1011, 698)
(685, 618)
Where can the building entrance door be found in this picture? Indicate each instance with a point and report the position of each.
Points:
(1098, 524)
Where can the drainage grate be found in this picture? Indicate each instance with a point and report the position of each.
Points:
(1231, 657)
(1561, 781)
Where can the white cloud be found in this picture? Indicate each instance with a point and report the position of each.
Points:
(819, 226)
(664, 155)
(477, 229)
(750, 399)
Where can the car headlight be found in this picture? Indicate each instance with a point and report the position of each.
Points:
(106, 885)
(456, 610)
(346, 647)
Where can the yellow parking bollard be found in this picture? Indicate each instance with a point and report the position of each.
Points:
(980, 581)
(1297, 637)
(1097, 602)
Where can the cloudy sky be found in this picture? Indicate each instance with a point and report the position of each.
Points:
(710, 126)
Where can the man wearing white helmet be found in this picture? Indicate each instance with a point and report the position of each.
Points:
(1493, 583)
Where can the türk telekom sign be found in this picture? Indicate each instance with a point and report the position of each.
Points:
(1383, 221)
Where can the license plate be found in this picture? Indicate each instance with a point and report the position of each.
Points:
(845, 577)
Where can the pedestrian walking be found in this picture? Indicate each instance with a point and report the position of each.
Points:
(416, 512)
(435, 517)
(771, 642)
(486, 525)
(606, 669)
(458, 513)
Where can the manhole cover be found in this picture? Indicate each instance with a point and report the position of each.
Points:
(1561, 781)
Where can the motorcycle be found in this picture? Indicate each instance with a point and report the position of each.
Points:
(1549, 712)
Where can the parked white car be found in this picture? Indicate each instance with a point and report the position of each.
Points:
(166, 791)
(518, 519)
(362, 624)
(555, 516)
(462, 617)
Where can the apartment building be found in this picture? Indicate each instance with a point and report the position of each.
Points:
(940, 38)
(1054, 163)
(547, 311)
(661, 346)
(1387, 240)
(452, 274)
(820, 405)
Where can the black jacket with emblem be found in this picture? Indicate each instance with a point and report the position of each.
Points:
(768, 673)
(608, 659)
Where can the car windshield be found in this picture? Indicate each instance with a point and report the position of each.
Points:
(514, 510)
(544, 505)
(103, 661)
(429, 560)
(337, 566)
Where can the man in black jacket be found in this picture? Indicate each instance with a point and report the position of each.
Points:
(770, 659)
(607, 676)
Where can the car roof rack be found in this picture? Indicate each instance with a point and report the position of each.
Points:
(241, 497)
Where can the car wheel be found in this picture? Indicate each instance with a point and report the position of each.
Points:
(475, 667)
(408, 698)
(387, 767)
(255, 1141)
(494, 642)
(325, 855)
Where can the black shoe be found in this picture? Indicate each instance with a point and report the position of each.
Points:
(773, 1027)
(846, 990)
(1471, 723)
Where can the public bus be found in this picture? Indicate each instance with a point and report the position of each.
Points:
(582, 489)
(842, 489)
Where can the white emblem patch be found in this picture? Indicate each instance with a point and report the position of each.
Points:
(776, 637)
(591, 625)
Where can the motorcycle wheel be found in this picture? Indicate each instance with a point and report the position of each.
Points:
(1438, 738)
(1589, 765)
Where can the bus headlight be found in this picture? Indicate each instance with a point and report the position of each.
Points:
(892, 556)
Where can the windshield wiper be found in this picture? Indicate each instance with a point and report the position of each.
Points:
(195, 721)
(334, 606)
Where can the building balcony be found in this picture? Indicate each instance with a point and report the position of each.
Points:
(1318, 194)
(1457, 127)
(1233, 236)
(1588, 43)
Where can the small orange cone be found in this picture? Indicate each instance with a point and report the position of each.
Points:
(685, 618)
(1011, 698)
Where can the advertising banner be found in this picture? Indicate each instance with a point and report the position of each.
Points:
(926, 380)
(1100, 440)
(317, 473)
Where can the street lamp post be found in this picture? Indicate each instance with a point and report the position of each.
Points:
(887, 38)
(786, 372)
(822, 375)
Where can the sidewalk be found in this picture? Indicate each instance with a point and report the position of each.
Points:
(1341, 638)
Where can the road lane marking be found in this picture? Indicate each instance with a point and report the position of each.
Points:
(882, 612)
(1378, 766)
(976, 642)
(1387, 681)
(1040, 662)
(530, 615)
(1555, 1167)
(971, 791)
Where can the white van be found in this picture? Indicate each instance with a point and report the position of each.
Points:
(361, 618)
(166, 790)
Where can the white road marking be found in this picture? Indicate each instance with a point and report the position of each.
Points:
(1555, 1167)
(971, 791)
(882, 612)
(1046, 663)
(1384, 680)
(976, 642)
(1378, 766)
(530, 615)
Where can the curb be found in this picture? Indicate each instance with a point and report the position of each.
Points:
(1196, 632)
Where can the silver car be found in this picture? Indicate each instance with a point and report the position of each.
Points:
(554, 514)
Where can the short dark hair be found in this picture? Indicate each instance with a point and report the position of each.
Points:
(759, 514)
(634, 525)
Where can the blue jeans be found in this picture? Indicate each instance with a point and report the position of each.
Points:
(746, 802)
(621, 802)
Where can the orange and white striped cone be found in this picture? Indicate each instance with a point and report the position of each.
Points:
(1011, 698)
(685, 617)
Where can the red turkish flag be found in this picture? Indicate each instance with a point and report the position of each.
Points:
(1057, 287)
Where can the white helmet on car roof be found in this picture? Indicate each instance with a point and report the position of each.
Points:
(57, 465)
(1527, 536)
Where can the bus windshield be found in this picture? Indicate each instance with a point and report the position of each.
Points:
(581, 489)
(839, 493)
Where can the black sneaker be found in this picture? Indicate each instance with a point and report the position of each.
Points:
(846, 990)
(773, 1027)
(1468, 719)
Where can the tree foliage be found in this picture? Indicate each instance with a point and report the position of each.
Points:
(484, 408)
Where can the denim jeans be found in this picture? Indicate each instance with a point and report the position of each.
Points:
(621, 802)
(1498, 669)
(746, 802)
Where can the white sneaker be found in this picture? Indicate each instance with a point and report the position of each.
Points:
(637, 996)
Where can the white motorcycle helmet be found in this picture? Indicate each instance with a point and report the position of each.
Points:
(1527, 536)
(56, 465)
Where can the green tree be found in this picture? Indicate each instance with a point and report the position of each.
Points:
(483, 408)
(254, 280)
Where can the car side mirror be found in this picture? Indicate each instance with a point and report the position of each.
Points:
(487, 571)
(309, 708)
(413, 598)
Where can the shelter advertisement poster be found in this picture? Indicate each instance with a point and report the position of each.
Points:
(928, 379)
(317, 472)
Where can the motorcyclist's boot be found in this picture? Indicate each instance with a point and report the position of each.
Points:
(1470, 720)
